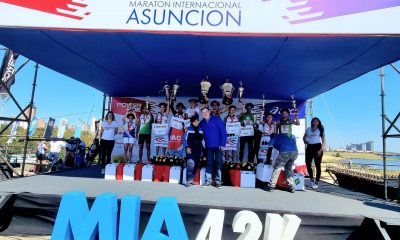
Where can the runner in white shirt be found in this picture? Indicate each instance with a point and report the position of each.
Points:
(230, 155)
(314, 138)
(162, 118)
(129, 134)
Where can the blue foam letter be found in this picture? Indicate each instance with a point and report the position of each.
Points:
(74, 221)
(129, 218)
(167, 210)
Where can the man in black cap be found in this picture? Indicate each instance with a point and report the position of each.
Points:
(247, 119)
(192, 142)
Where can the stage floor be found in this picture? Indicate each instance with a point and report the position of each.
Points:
(328, 200)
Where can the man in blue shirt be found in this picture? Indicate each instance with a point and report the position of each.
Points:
(215, 140)
(287, 155)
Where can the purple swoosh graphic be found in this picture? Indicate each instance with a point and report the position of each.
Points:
(334, 8)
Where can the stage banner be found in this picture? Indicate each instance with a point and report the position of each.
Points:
(160, 132)
(247, 131)
(202, 17)
(232, 136)
(49, 128)
(62, 127)
(8, 69)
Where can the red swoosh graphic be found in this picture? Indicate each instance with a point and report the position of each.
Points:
(51, 6)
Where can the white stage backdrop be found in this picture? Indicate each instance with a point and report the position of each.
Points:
(120, 105)
(204, 17)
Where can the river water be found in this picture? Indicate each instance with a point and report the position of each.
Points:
(377, 164)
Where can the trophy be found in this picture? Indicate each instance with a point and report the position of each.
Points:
(263, 101)
(166, 89)
(205, 86)
(241, 90)
(227, 90)
(175, 88)
(294, 105)
(147, 103)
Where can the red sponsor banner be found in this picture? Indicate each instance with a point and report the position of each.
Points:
(175, 139)
(122, 105)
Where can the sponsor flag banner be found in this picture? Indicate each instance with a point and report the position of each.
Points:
(77, 132)
(13, 134)
(49, 128)
(33, 126)
(62, 127)
(8, 69)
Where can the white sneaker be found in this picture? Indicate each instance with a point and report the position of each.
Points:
(103, 171)
(315, 186)
(311, 184)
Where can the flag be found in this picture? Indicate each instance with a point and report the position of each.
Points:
(62, 127)
(49, 128)
(8, 69)
(77, 132)
(13, 134)
(33, 126)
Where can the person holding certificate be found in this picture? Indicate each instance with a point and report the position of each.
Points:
(232, 135)
(129, 134)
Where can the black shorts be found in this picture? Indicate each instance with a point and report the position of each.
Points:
(144, 138)
(41, 156)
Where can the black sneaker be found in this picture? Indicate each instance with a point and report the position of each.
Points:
(292, 190)
(268, 188)
(206, 184)
(187, 184)
(218, 185)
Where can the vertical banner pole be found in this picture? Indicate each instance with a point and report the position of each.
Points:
(382, 75)
(29, 120)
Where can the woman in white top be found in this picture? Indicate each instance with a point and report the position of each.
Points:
(162, 118)
(129, 134)
(109, 128)
(230, 155)
(267, 129)
(314, 138)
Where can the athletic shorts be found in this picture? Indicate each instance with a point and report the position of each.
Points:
(129, 140)
(144, 138)
(41, 156)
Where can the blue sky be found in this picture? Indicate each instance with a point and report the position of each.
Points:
(350, 112)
